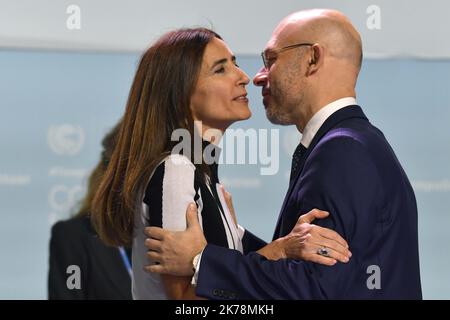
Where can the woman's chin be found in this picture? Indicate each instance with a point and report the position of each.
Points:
(245, 115)
(241, 117)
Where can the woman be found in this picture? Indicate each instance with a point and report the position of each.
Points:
(188, 75)
(104, 271)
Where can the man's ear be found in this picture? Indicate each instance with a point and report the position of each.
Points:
(316, 58)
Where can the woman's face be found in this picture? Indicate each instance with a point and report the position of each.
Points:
(219, 97)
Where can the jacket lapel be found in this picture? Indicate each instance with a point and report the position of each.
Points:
(345, 113)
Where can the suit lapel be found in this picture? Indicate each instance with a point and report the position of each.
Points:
(345, 113)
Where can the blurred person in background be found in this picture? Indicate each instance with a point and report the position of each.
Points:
(104, 272)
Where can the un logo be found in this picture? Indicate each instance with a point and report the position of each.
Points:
(65, 139)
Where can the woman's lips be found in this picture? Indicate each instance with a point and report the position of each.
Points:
(241, 98)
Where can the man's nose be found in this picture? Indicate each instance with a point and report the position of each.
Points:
(260, 78)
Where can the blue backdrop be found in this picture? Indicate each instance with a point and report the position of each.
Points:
(56, 107)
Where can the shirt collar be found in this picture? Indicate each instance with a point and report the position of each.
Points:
(321, 116)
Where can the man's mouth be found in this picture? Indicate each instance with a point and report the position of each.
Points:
(266, 96)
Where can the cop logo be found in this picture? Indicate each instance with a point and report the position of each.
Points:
(65, 139)
(62, 197)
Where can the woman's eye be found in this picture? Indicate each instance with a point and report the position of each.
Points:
(221, 70)
(237, 65)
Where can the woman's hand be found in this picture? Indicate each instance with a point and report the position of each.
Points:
(305, 241)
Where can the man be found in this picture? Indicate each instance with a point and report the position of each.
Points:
(343, 165)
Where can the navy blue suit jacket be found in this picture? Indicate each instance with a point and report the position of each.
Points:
(351, 171)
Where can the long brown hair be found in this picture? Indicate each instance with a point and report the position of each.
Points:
(158, 103)
(108, 144)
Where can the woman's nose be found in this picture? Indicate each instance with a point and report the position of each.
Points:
(243, 79)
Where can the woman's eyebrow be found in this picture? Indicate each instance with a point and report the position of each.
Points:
(223, 60)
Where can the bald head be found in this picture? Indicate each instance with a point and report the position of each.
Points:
(330, 28)
(312, 59)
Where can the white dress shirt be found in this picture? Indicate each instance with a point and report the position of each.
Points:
(321, 116)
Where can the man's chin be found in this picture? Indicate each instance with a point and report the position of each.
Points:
(275, 118)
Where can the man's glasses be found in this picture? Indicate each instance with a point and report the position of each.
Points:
(268, 61)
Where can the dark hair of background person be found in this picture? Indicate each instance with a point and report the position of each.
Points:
(108, 143)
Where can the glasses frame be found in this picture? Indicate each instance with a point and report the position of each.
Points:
(277, 51)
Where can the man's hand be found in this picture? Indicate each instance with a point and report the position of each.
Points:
(304, 241)
(174, 251)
